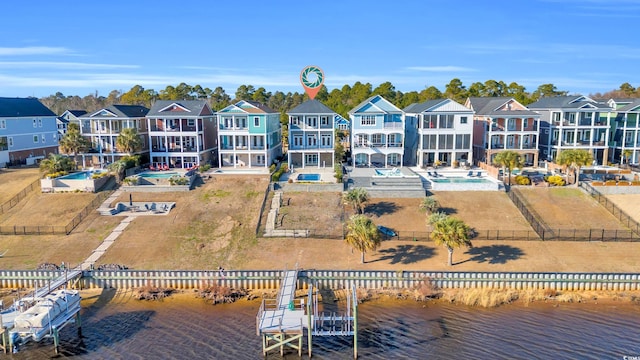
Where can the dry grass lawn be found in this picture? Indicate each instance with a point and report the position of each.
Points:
(12, 181)
(569, 208)
(629, 203)
(210, 226)
(46, 209)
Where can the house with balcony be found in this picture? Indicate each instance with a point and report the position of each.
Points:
(377, 133)
(103, 127)
(28, 131)
(625, 147)
(574, 122)
(444, 130)
(68, 117)
(249, 135)
(311, 135)
(182, 134)
(500, 124)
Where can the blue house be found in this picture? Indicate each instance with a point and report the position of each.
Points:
(377, 133)
(249, 135)
(311, 135)
(28, 131)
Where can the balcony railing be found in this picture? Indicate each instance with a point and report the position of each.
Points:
(393, 125)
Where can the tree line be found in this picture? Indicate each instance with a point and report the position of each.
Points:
(340, 100)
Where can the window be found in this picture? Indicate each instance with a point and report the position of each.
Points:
(445, 141)
(446, 121)
(555, 116)
(368, 120)
(3, 124)
(312, 140)
(312, 121)
(256, 121)
(55, 137)
(294, 120)
(10, 141)
(463, 141)
(39, 122)
(297, 140)
(525, 124)
(463, 120)
(429, 142)
(35, 123)
(326, 140)
(430, 122)
(376, 139)
(43, 139)
(4, 143)
(36, 139)
(191, 122)
(260, 159)
(324, 120)
(511, 124)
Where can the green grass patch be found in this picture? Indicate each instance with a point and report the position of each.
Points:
(208, 195)
(567, 192)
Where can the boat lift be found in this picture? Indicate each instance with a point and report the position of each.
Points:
(48, 298)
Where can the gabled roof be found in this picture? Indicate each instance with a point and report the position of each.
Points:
(249, 107)
(340, 120)
(490, 106)
(20, 107)
(377, 104)
(76, 113)
(183, 108)
(567, 102)
(634, 105)
(120, 111)
(437, 105)
(311, 107)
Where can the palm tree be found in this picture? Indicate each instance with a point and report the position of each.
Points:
(356, 197)
(452, 233)
(73, 142)
(56, 163)
(626, 154)
(129, 141)
(508, 159)
(429, 205)
(574, 159)
(362, 234)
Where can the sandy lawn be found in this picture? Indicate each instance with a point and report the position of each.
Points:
(629, 203)
(569, 208)
(12, 181)
(210, 226)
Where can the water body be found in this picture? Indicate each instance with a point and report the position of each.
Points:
(118, 327)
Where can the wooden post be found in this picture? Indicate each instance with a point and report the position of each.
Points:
(309, 309)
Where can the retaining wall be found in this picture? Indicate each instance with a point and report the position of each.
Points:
(335, 279)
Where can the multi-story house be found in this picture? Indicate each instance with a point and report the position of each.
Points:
(625, 146)
(182, 133)
(28, 131)
(445, 130)
(249, 135)
(103, 127)
(377, 133)
(68, 117)
(573, 122)
(500, 124)
(311, 135)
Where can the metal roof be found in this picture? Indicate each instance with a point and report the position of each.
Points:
(21, 107)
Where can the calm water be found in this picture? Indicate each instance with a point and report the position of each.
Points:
(117, 327)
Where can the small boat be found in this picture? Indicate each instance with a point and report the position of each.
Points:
(51, 311)
(386, 231)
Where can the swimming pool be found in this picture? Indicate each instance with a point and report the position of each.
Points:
(308, 177)
(80, 175)
(388, 172)
(158, 175)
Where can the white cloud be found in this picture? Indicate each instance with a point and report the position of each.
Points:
(61, 65)
(447, 68)
(33, 50)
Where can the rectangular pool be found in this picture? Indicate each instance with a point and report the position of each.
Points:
(308, 177)
(158, 175)
(460, 180)
(80, 175)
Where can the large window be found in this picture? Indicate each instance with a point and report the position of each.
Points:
(324, 120)
(429, 142)
(446, 121)
(376, 139)
(294, 120)
(256, 121)
(297, 140)
(326, 140)
(463, 141)
(368, 120)
(4, 143)
(430, 121)
(445, 141)
(463, 120)
(312, 121)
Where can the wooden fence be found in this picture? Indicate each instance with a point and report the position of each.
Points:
(332, 279)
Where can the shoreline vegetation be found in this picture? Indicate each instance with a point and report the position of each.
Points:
(483, 297)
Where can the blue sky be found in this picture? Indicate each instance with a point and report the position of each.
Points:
(80, 47)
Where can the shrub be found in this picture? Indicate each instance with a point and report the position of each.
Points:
(339, 175)
(523, 180)
(272, 168)
(178, 180)
(555, 180)
(204, 168)
(56, 174)
(276, 175)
